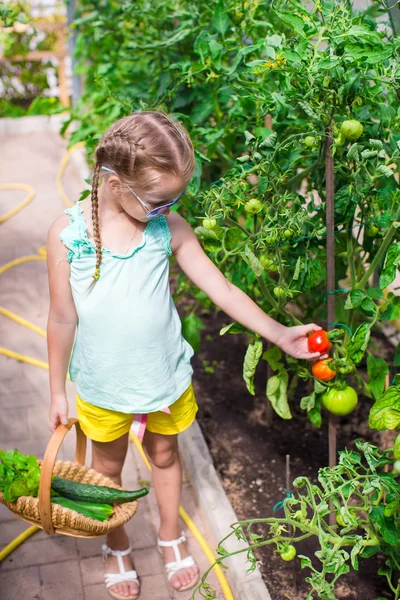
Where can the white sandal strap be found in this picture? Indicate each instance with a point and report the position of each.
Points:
(113, 578)
(119, 554)
(174, 567)
(179, 563)
(174, 545)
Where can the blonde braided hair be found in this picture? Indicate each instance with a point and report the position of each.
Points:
(141, 148)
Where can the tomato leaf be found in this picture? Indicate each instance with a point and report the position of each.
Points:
(315, 413)
(277, 394)
(191, 326)
(232, 328)
(391, 264)
(375, 293)
(312, 404)
(358, 546)
(220, 20)
(251, 360)
(354, 299)
(385, 413)
(368, 305)
(252, 261)
(273, 357)
(396, 360)
(377, 371)
(308, 402)
(386, 525)
(396, 448)
(359, 342)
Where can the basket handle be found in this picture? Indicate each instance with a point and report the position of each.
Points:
(48, 466)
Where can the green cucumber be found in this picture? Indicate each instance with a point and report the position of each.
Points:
(99, 512)
(97, 494)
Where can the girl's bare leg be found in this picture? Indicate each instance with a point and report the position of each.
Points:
(108, 458)
(162, 451)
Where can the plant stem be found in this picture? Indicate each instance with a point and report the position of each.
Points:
(350, 253)
(274, 303)
(377, 258)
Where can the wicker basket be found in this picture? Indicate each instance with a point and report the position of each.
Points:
(53, 518)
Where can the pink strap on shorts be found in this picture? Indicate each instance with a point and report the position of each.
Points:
(140, 421)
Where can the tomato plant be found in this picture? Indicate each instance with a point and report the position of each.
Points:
(354, 491)
(259, 95)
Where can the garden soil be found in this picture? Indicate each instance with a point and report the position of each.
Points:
(250, 456)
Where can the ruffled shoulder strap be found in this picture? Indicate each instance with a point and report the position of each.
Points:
(74, 235)
(162, 233)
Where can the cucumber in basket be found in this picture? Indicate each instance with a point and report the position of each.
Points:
(99, 512)
(96, 494)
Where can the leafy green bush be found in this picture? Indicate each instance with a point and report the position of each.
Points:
(24, 82)
(262, 89)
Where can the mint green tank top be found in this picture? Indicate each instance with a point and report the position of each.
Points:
(129, 354)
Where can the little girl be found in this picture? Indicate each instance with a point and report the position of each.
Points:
(108, 263)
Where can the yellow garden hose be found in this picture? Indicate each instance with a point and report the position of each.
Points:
(21, 205)
(42, 255)
(61, 171)
(18, 541)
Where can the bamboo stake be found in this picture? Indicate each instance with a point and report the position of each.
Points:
(288, 487)
(330, 260)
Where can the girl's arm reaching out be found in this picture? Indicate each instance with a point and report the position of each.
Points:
(61, 322)
(235, 303)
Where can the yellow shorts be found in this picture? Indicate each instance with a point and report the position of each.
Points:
(104, 425)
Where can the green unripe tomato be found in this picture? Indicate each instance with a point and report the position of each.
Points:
(340, 140)
(372, 230)
(288, 233)
(346, 369)
(253, 206)
(299, 516)
(351, 129)
(339, 520)
(279, 291)
(209, 223)
(271, 239)
(340, 402)
(269, 263)
(289, 553)
(310, 141)
(396, 466)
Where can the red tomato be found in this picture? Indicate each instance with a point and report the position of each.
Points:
(318, 342)
(322, 371)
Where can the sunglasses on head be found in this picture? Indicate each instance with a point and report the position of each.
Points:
(151, 212)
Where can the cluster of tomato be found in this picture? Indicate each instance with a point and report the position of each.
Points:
(342, 399)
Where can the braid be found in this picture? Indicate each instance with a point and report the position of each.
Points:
(95, 222)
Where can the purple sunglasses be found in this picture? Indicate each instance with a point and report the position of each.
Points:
(154, 212)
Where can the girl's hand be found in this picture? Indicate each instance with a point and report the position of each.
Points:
(293, 341)
(58, 413)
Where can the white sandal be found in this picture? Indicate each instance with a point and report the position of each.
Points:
(179, 563)
(123, 575)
